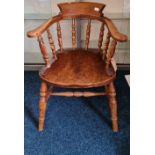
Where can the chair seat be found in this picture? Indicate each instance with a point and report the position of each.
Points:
(77, 68)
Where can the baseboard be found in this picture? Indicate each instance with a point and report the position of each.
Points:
(125, 67)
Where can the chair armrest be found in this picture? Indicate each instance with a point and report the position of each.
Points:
(114, 32)
(43, 27)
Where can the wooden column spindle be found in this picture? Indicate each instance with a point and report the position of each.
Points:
(42, 105)
(111, 52)
(111, 93)
(59, 35)
(106, 45)
(88, 34)
(101, 37)
(109, 55)
(43, 50)
(73, 34)
(51, 42)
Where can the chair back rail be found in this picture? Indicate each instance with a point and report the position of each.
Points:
(81, 8)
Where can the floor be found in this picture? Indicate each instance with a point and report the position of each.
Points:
(76, 126)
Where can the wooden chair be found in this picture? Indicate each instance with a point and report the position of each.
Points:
(78, 67)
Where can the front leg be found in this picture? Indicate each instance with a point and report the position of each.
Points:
(42, 105)
(112, 105)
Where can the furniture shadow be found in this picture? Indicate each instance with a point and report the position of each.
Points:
(30, 115)
(97, 111)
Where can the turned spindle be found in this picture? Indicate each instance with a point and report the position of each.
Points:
(78, 94)
(59, 35)
(51, 42)
(88, 34)
(43, 50)
(106, 45)
(73, 34)
(111, 93)
(109, 55)
(42, 105)
(101, 37)
(111, 51)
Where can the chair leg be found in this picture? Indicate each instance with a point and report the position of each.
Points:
(112, 105)
(42, 105)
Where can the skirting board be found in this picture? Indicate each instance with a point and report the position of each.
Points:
(36, 67)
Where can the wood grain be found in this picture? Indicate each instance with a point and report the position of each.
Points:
(111, 52)
(106, 45)
(78, 68)
(42, 105)
(81, 8)
(73, 34)
(51, 42)
(109, 56)
(78, 94)
(112, 105)
(59, 35)
(43, 50)
(100, 40)
(114, 32)
(44, 26)
(88, 34)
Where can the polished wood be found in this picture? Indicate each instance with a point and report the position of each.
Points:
(110, 25)
(88, 34)
(114, 32)
(51, 42)
(111, 52)
(73, 34)
(42, 105)
(101, 36)
(43, 51)
(81, 8)
(106, 45)
(43, 27)
(109, 56)
(112, 105)
(78, 94)
(78, 67)
(59, 35)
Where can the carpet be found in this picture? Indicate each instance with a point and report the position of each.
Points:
(76, 126)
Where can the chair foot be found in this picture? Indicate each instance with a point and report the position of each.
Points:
(42, 105)
(112, 105)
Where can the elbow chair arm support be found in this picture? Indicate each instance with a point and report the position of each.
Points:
(114, 32)
(43, 27)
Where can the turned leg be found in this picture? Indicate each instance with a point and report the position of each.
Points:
(42, 105)
(112, 105)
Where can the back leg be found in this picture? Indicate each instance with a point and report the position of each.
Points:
(112, 105)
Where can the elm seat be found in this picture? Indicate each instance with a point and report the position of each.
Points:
(77, 68)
